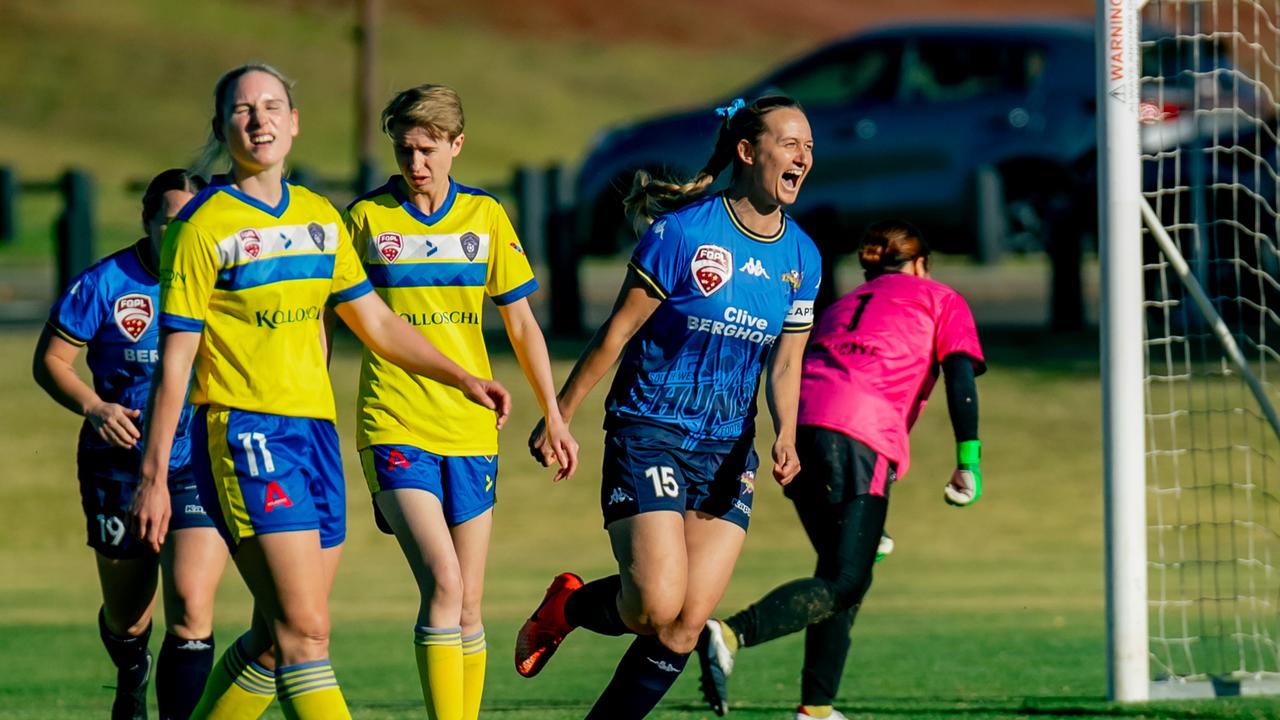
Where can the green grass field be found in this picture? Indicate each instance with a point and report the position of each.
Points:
(989, 612)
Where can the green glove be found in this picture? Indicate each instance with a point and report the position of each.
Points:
(966, 482)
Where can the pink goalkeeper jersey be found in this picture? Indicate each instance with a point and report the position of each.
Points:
(874, 358)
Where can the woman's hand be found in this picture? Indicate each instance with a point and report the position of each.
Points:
(786, 464)
(490, 394)
(150, 510)
(552, 442)
(114, 424)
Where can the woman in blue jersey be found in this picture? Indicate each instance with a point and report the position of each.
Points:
(720, 288)
(112, 309)
(247, 269)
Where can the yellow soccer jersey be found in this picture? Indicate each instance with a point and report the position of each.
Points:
(434, 271)
(254, 280)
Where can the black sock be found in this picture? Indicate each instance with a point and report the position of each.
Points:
(646, 672)
(826, 646)
(128, 654)
(594, 606)
(786, 609)
(180, 674)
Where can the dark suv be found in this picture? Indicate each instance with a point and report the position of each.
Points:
(973, 131)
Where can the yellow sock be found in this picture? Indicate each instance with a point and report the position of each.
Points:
(439, 654)
(818, 711)
(474, 656)
(237, 689)
(309, 691)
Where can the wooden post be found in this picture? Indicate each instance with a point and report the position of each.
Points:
(366, 86)
(75, 226)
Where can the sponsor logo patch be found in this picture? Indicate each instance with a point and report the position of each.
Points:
(317, 234)
(251, 242)
(276, 497)
(134, 313)
(793, 278)
(712, 267)
(390, 245)
(470, 245)
(748, 480)
(516, 246)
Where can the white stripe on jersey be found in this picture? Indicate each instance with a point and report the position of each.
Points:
(446, 247)
(275, 241)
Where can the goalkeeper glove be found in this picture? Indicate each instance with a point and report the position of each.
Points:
(966, 482)
(885, 547)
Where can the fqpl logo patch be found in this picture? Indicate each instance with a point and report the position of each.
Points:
(251, 243)
(470, 245)
(134, 313)
(390, 245)
(317, 234)
(712, 267)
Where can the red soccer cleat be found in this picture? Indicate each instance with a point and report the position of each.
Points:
(543, 632)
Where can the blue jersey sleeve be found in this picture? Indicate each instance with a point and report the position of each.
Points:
(804, 288)
(660, 257)
(78, 314)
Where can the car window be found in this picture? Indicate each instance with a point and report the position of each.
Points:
(866, 72)
(955, 71)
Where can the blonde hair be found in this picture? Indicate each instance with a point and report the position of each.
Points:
(651, 197)
(214, 158)
(435, 108)
(887, 246)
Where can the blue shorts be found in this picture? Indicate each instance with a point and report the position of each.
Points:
(265, 474)
(108, 481)
(644, 474)
(465, 485)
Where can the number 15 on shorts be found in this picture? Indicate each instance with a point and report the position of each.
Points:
(664, 481)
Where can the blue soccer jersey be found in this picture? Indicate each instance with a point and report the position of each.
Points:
(690, 375)
(112, 308)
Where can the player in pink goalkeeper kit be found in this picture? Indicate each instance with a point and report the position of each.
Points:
(874, 359)
(868, 371)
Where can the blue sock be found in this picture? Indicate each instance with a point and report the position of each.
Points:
(646, 672)
(183, 667)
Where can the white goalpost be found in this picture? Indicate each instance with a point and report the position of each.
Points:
(1189, 206)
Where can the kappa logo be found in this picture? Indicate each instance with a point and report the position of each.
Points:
(712, 267)
(390, 245)
(251, 242)
(754, 268)
(619, 496)
(134, 313)
(663, 665)
(660, 228)
(276, 497)
(318, 235)
(470, 245)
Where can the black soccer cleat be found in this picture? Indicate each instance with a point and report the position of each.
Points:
(715, 662)
(131, 692)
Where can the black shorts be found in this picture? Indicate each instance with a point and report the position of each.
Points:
(108, 481)
(643, 474)
(835, 467)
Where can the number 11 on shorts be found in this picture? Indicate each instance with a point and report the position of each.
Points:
(664, 481)
(248, 439)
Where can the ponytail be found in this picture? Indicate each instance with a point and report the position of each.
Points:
(889, 245)
(650, 197)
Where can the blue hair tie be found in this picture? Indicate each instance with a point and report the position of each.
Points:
(728, 111)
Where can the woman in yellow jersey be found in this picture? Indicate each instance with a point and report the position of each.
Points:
(246, 270)
(433, 249)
